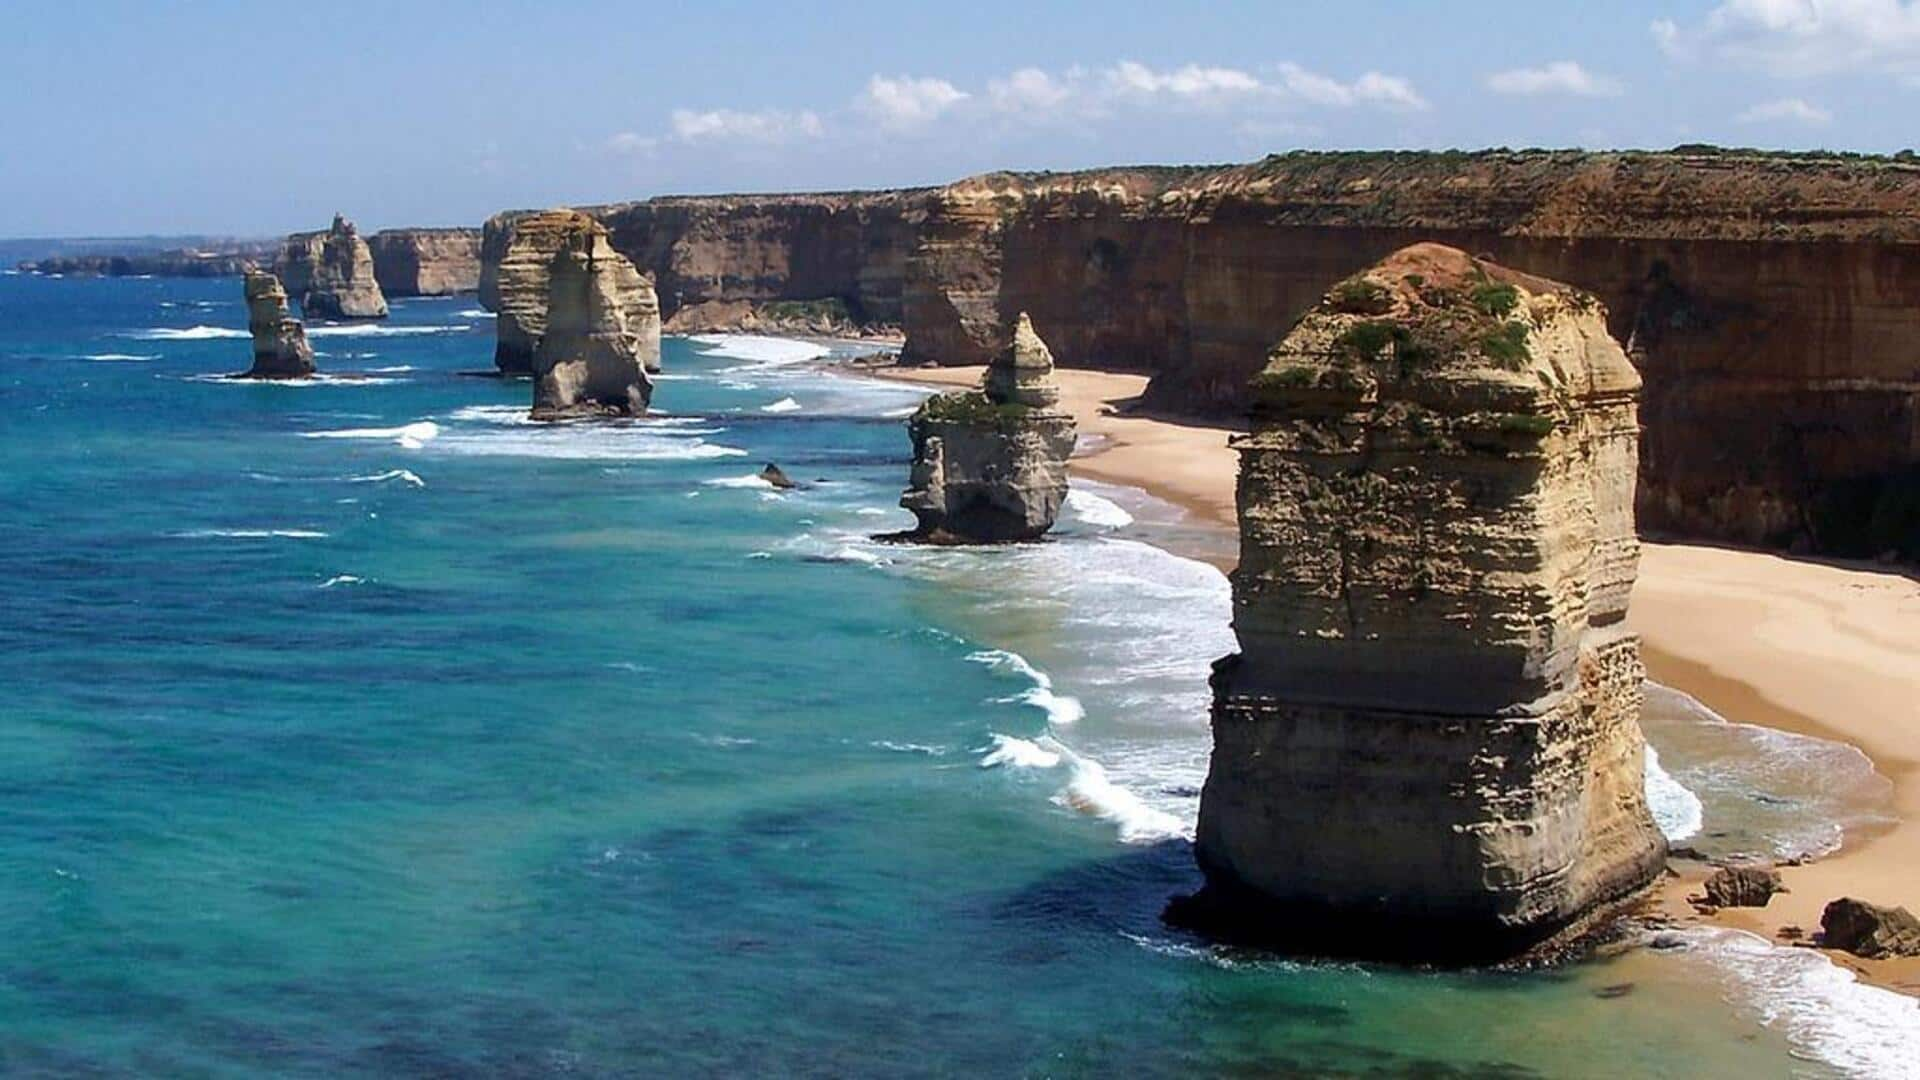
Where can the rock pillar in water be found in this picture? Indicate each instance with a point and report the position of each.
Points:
(280, 349)
(341, 283)
(591, 359)
(1428, 747)
(990, 465)
(517, 251)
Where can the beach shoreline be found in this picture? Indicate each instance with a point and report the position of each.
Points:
(1811, 648)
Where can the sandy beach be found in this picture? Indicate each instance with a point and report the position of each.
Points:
(1809, 647)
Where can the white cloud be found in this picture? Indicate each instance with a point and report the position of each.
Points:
(1190, 83)
(1031, 90)
(728, 125)
(628, 142)
(1788, 110)
(908, 102)
(1802, 37)
(1558, 77)
(1372, 88)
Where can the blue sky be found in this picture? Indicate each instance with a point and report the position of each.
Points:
(261, 118)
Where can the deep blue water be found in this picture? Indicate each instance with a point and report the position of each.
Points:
(360, 728)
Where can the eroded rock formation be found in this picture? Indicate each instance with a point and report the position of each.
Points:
(990, 465)
(339, 281)
(426, 262)
(593, 350)
(280, 349)
(518, 259)
(1869, 930)
(1428, 746)
(1743, 886)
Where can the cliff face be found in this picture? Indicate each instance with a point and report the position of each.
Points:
(426, 262)
(339, 281)
(517, 259)
(1769, 301)
(990, 465)
(280, 349)
(1428, 746)
(592, 356)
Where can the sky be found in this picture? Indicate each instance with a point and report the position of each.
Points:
(256, 119)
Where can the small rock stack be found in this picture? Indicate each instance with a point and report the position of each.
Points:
(341, 284)
(280, 349)
(1428, 747)
(591, 360)
(990, 465)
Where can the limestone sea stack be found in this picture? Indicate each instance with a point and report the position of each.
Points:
(280, 349)
(518, 257)
(1428, 747)
(341, 284)
(591, 360)
(990, 465)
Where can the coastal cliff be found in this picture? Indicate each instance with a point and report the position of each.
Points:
(990, 465)
(280, 349)
(1428, 746)
(601, 329)
(1768, 299)
(426, 262)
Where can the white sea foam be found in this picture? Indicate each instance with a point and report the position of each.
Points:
(405, 476)
(908, 748)
(1822, 1010)
(744, 480)
(1018, 753)
(410, 436)
(1087, 789)
(119, 356)
(1060, 708)
(379, 330)
(318, 379)
(767, 351)
(341, 579)
(474, 313)
(784, 405)
(1676, 810)
(251, 534)
(1097, 510)
(395, 369)
(191, 333)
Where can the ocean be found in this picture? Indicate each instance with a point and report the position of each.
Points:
(360, 727)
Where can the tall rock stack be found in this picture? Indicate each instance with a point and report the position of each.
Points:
(518, 249)
(1428, 746)
(990, 465)
(342, 285)
(298, 256)
(280, 349)
(591, 360)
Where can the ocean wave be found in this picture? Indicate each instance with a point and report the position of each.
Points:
(378, 330)
(396, 369)
(474, 313)
(250, 534)
(1821, 1008)
(112, 356)
(410, 436)
(908, 748)
(191, 333)
(784, 405)
(1088, 789)
(405, 476)
(761, 351)
(1060, 708)
(753, 481)
(341, 579)
(318, 378)
(1097, 510)
(1676, 810)
(1013, 752)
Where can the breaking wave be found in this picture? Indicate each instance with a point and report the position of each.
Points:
(410, 436)
(191, 333)
(110, 356)
(1676, 810)
(1097, 510)
(758, 350)
(405, 476)
(250, 534)
(377, 330)
(1060, 708)
(784, 405)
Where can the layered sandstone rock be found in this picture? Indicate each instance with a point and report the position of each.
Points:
(340, 282)
(1869, 930)
(280, 349)
(990, 465)
(593, 350)
(518, 249)
(426, 262)
(1428, 745)
(299, 254)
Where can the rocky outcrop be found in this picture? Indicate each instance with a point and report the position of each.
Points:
(990, 465)
(592, 357)
(518, 257)
(1743, 886)
(280, 349)
(176, 262)
(338, 279)
(1428, 745)
(299, 254)
(1869, 930)
(426, 262)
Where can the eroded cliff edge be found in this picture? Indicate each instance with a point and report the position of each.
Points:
(426, 262)
(1427, 747)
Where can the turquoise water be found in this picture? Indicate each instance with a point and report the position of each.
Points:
(357, 727)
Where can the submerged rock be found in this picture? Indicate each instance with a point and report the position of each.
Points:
(1869, 930)
(990, 465)
(776, 476)
(1743, 886)
(280, 349)
(592, 357)
(1428, 746)
(341, 284)
(518, 249)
